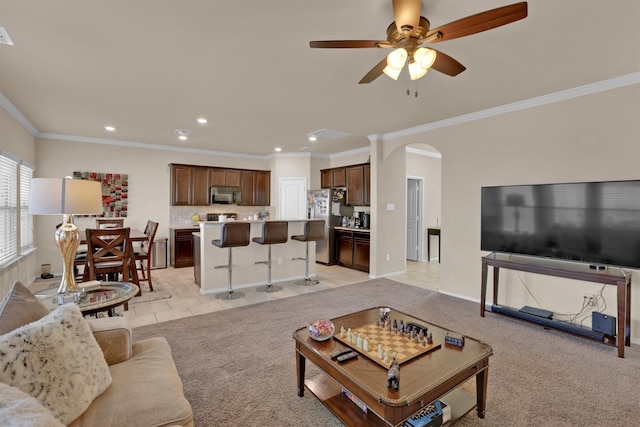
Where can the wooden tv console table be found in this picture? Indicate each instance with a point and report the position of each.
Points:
(609, 276)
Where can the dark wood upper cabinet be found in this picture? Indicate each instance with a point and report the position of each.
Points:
(355, 186)
(248, 184)
(367, 185)
(332, 178)
(263, 188)
(181, 185)
(225, 177)
(201, 184)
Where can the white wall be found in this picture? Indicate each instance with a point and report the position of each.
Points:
(589, 138)
(15, 139)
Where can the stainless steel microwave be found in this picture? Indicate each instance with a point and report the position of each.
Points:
(225, 195)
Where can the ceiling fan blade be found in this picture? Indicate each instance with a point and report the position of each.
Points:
(447, 65)
(406, 13)
(375, 72)
(338, 44)
(480, 22)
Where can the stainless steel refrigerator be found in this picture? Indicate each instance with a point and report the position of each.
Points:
(328, 205)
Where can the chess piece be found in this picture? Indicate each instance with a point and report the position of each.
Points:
(341, 331)
(386, 356)
(365, 344)
(359, 341)
(349, 334)
(354, 338)
(380, 355)
(430, 338)
(393, 377)
(421, 335)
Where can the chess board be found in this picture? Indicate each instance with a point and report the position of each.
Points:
(404, 347)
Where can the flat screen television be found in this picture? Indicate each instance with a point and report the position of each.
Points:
(592, 222)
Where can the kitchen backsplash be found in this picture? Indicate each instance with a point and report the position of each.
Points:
(183, 214)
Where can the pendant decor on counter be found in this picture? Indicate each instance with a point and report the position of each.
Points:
(115, 190)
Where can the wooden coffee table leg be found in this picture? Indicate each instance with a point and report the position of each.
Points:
(481, 391)
(300, 365)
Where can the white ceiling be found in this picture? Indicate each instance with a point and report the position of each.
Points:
(149, 67)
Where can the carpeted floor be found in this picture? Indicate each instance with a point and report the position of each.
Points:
(238, 365)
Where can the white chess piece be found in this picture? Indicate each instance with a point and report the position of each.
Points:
(349, 334)
(341, 331)
(380, 351)
(365, 344)
(359, 341)
(386, 356)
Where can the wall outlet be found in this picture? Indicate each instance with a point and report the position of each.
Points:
(388, 257)
(589, 300)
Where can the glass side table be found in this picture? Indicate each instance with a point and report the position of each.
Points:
(98, 297)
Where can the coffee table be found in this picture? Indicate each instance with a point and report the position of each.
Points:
(102, 296)
(435, 375)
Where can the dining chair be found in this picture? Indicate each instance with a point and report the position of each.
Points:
(109, 251)
(109, 222)
(144, 254)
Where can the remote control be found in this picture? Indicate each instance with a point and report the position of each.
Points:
(348, 356)
(340, 353)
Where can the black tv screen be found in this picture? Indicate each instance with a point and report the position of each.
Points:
(594, 222)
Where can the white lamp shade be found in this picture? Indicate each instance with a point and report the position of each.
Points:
(50, 196)
(395, 62)
(416, 71)
(425, 57)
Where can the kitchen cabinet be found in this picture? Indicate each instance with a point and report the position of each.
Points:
(263, 188)
(181, 185)
(367, 185)
(189, 185)
(182, 247)
(225, 177)
(201, 184)
(256, 188)
(247, 186)
(355, 185)
(332, 178)
(352, 249)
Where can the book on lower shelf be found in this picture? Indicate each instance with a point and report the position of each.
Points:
(355, 400)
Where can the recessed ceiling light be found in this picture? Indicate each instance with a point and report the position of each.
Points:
(278, 149)
(312, 138)
(202, 120)
(182, 134)
(110, 128)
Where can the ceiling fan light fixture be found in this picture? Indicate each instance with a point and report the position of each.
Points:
(425, 57)
(395, 61)
(416, 71)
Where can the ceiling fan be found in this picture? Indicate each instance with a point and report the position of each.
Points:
(410, 30)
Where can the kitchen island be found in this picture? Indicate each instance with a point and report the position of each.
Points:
(246, 273)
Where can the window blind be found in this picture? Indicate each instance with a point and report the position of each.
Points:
(26, 220)
(8, 208)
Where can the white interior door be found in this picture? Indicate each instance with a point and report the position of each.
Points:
(293, 198)
(414, 219)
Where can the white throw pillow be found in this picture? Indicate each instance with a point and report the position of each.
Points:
(18, 409)
(56, 360)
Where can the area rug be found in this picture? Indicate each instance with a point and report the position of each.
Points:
(159, 292)
(238, 365)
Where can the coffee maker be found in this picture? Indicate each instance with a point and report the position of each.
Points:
(365, 219)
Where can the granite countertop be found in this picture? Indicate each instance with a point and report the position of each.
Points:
(364, 230)
(196, 226)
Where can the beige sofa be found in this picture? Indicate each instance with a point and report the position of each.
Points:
(59, 366)
(146, 389)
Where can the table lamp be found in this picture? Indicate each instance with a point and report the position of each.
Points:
(55, 196)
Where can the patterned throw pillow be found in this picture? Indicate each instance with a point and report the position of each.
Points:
(19, 307)
(56, 360)
(18, 409)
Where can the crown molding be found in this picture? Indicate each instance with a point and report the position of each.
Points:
(412, 150)
(604, 85)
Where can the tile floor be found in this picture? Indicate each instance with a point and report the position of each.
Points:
(186, 299)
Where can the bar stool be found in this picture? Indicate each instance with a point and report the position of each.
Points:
(232, 235)
(273, 233)
(313, 231)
